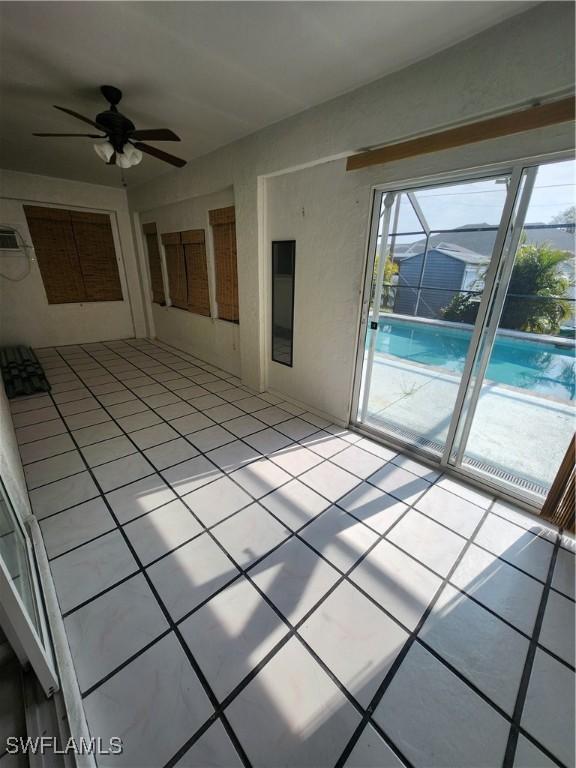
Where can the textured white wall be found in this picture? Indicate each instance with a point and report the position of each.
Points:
(25, 315)
(327, 212)
(213, 340)
(525, 58)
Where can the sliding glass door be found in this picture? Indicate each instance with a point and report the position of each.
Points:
(518, 420)
(467, 338)
(21, 609)
(433, 250)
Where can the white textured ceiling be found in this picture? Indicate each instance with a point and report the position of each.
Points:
(211, 71)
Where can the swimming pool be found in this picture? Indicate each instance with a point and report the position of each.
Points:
(540, 367)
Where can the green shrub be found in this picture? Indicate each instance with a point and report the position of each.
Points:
(535, 301)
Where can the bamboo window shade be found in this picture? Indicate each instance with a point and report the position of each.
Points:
(154, 262)
(223, 222)
(76, 254)
(560, 503)
(95, 244)
(194, 245)
(187, 270)
(176, 268)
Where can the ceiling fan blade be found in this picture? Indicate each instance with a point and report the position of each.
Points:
(86, 135)
(158, 153)
(79, 117)
(155, 134)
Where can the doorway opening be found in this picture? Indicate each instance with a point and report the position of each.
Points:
(467, 339)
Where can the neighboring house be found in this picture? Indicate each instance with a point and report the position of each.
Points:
(460, 265)
(425, 286)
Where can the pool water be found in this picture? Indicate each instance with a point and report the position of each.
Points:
(539, 367)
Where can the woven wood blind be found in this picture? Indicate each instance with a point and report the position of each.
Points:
(223, 222)
(75, 253)
(560, 503)
(176, 268)
(154, 262)
(187, 270)
(95, 245)
(56, 254)
(193, 242)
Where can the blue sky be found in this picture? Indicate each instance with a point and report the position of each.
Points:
(455, 205)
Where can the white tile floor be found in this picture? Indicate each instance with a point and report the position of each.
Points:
(243, 583)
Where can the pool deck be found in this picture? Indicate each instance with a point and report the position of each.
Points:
(516, 431)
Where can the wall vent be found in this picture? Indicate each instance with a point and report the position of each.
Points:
(9, 240)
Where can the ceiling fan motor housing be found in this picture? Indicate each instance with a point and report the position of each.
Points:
(116, 126)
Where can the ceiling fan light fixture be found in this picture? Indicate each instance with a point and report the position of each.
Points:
(128, 157)
(123, 160)
(104, 150)
(136, 156)
(133, 155)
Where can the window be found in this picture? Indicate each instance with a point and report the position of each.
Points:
(155, 264)
(223, 222)
(283, 264)
(75, 253)
(187, 271)
(9, 240)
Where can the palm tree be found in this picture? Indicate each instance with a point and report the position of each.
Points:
(536, 299)
(536, 294)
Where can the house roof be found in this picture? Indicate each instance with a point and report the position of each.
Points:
(448, 249)
(473, 243)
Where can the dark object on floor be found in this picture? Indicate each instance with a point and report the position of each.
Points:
(21, 372)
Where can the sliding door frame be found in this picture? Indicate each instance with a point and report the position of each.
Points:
(31, 642)
(494, 292)
(495, 269)
(489, 329)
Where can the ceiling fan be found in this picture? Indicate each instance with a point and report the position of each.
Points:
(121, 143)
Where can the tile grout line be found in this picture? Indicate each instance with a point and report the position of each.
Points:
(258, 500)
(292, 628)
(313, 653)
(177, 353)
(528, 665)
(324, 459)
(344, 510)
(91, 688)
(255, 395)
(298, 478)
(292, 632)
(221, 713)
(384, 685)
(414, 638)
(295, 533)
(199, 674)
